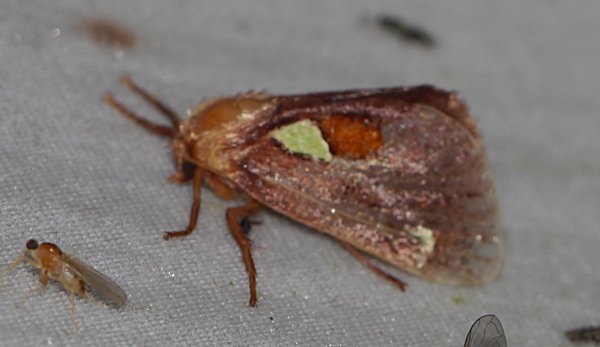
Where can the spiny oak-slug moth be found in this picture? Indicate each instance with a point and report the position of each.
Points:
(398, 173)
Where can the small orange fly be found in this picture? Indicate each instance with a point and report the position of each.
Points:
(72, 273)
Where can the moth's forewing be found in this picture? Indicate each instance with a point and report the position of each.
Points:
(487, 331)
(419, 195)
(108, 289)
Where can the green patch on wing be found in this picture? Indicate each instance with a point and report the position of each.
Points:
(425, 240)
(303, 137)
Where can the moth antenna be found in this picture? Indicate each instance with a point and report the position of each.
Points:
(152, 100)
(146, 124)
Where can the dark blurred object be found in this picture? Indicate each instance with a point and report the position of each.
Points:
(585, 334)
(405, 31)
(108, 33)
(246, 225)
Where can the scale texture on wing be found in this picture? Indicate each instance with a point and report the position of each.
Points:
(408, 180)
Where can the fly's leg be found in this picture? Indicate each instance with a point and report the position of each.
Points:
(43, 283)
(21, 258)
(72, 311)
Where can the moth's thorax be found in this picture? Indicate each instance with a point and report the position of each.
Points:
(213, 126)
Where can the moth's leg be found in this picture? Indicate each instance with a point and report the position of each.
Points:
(365, 261)
(246, 226)
(234, 216)
(43, 283)
(179, 177)
(218, 185)
(72, 310)
(195, 208)
(146, 124)
(152, 100)
(184, 171)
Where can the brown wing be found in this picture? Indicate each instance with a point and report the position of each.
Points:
(420, 196)
(109, 290)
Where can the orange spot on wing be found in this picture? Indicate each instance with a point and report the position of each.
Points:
(351, 137)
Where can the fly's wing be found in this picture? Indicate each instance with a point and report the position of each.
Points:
(487, 331)
(109, 290)
(402, 176)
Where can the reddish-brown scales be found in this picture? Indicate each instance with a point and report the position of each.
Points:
(350, 137)
(426, 188)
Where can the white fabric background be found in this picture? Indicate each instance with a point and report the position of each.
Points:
(75, 173)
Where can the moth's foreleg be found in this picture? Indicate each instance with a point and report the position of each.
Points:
(219, 186)
(195, 208)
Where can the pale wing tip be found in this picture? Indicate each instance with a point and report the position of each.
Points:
(483, 264)
(117, 297)
(120, 301)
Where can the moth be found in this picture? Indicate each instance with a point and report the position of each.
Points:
(74, 275)
(398, 173)
(487, 331)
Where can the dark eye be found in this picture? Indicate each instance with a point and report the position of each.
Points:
(188, 169)
(32, 244)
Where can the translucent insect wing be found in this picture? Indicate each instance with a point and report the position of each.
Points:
(106, 287)
(487, 331)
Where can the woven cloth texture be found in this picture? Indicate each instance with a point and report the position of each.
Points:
(75, 173)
